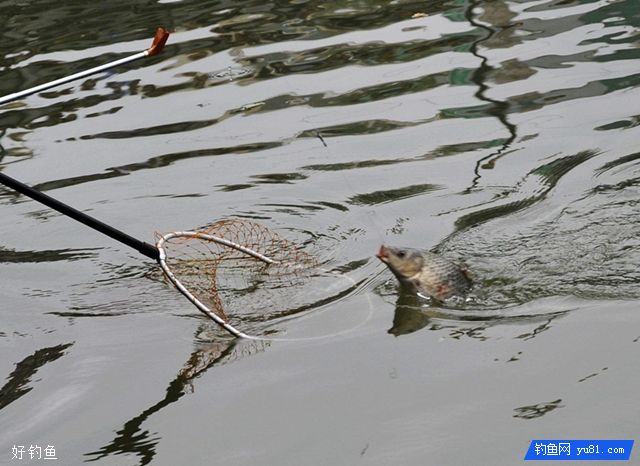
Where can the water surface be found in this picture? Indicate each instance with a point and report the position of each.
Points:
(502, 134)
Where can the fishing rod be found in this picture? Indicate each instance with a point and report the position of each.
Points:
(159, 251)
(148, 250)
(159, 40)
(189, 259)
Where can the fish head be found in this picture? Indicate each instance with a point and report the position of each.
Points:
(403, 262)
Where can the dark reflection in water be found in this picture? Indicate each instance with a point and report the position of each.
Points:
(155, 162)
(537, 410)
(592, 375)
(18, 381)
(413, 313)
(315, 61)
(381, 197)
(8, 255)
(493, 12)
(132, 438)
(408, 316)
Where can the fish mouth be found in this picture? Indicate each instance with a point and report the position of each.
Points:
(383, 254)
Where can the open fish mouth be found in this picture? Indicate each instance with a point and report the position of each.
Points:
(383, 254)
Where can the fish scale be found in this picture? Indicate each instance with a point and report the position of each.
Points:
(425, 272)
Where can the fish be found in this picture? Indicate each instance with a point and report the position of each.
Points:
(425, 272)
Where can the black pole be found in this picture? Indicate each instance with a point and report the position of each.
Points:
(144, 248)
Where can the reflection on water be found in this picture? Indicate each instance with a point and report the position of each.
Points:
(133, 438)
(18, 382)
(537, 410)
(412, 313)
(8, 255)
(498, 17)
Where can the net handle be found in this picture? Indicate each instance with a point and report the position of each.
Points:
(162, 260)
(143, 248)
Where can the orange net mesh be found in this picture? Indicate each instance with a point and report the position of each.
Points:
(236, 286)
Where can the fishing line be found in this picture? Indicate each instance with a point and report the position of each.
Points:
(370, 214)
(356, 289)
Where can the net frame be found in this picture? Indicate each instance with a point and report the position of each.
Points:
(220, 266)
(162, 260)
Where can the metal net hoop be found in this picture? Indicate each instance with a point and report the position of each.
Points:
(203, 264)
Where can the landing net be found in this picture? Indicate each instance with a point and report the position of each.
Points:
(240, 273)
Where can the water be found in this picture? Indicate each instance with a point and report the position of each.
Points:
(503, 134)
